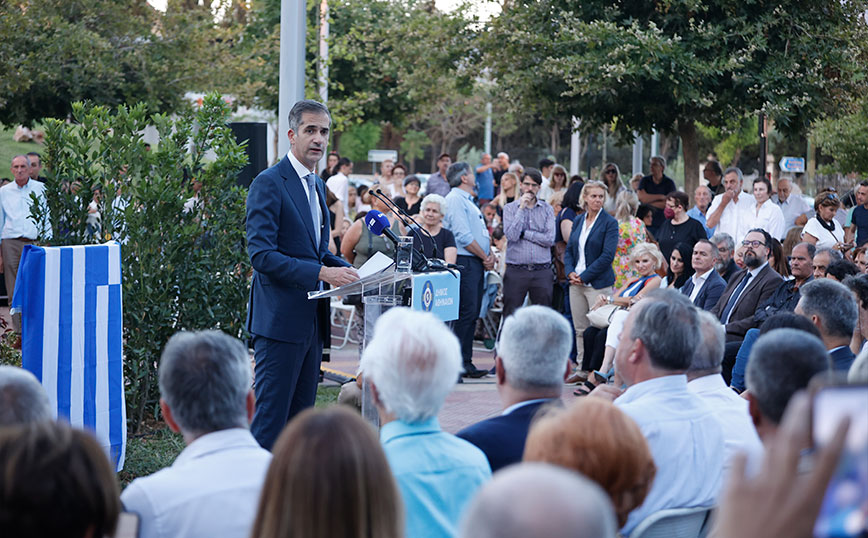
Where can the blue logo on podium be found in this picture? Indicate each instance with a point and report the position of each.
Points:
(427, 296)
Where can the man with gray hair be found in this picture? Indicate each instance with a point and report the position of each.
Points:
(527, 380)
(832, 308)
(822, 259)
(796, 210)
(22, 398)
(464, 219)
(540, 500)
(733, 211)
(656, 348)
(213, 487)
(705, 380)
(725, 265)
(411, 364)
(17, 228)
(782, 362)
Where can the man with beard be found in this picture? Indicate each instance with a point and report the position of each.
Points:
(724, 265)
(747, 289)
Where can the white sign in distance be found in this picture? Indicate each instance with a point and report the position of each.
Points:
(792, 164)
(380, 155)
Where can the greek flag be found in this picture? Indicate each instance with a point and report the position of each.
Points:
(71, 319)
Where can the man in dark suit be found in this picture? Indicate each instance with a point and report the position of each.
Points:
(527, 380)
(748, 288)
(705, 287)
(287, 240)
(832, 308)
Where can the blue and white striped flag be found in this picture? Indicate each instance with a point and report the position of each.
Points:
(71, 319)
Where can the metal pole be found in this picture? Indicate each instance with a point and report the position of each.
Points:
(638, 146)
(575, 147)
(763, 144)
(323, 63)
(293, 22)
(487, 127)
(655, 143)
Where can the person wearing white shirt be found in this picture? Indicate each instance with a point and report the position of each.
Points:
(212, 488)
(656, 348)
(339, 182)
(732, 212)
(17, 228)
(794, 207)
(766, 214)
(731, 410)
(822, 230)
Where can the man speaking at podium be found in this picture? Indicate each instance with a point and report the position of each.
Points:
(287, 240)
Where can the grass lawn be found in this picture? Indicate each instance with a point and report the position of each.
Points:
(157, 447)
(10, 148)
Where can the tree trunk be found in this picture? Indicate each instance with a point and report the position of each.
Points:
(690, 148)
(554, 141)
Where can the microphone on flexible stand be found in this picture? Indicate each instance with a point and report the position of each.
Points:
(388, 201)
(379, 224)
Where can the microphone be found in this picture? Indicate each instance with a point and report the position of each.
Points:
(379, 224)
(388, 201)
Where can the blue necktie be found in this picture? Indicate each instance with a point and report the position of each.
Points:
(724, 316)
(314, 206)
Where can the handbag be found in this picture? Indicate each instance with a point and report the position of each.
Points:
(601, 317)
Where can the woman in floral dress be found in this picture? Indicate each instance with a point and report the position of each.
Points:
(631, 231)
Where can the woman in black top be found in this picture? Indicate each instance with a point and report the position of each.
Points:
(411, 202)
(433, 209)
(678, 227)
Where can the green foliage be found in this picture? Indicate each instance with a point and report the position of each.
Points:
(414, 144)
(730, 140)
(845, 139)
(183, 268)
(149, 452)
(358, 139)
(56, 52)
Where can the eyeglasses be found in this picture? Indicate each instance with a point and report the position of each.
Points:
(753, 244)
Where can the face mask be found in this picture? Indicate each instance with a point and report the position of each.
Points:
(668, 212)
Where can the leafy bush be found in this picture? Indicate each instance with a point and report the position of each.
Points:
(184, 262)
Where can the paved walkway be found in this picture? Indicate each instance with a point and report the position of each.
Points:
(468, 403)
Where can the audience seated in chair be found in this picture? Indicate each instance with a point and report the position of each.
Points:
(540, 501)
(601, 442)
(412, 363)
(527, 381)
(213, 486)
(55, 481)
(329, 478)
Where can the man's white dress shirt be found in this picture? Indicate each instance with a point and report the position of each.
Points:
(737, 216)
(686, 442)
(15, 205)
(731, 411)
(698, 282)
(212, 489)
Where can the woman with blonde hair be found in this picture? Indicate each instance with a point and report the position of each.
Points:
(558, 183)
(611, 176)
(631, 232)
(609, 449)
(329, 479)
(508, 190)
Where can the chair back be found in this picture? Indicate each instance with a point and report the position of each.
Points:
(673, 523)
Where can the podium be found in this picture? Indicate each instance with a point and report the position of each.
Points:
(435, 292)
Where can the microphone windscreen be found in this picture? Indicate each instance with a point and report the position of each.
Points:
(376, 222)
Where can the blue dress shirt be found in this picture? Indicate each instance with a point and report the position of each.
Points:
(695, 213)
(438, 474)
(686, 442)
(465, 221)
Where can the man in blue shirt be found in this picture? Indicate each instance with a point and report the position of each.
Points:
(464, 219)
(859, 216)
(485, 180)
(411, 364)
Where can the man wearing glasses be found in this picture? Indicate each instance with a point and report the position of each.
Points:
(529, 226)
(748, 289)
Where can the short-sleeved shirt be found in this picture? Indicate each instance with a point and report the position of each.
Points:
(670, 234)
(860, 219)
(825, 238)
(665, 186)
(485, 185)
(566, 213)
(414, 209)
(442, 240)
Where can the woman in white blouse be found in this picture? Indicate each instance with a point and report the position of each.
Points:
(823, 230)
(767, 215)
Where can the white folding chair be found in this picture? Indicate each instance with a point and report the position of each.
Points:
(674, 523)
(338, 307)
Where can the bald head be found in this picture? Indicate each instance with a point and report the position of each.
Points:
(539, 500)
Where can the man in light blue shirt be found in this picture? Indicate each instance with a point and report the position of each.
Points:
(702, 197)
(464, 219)
(655, 350)
(411, 364)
